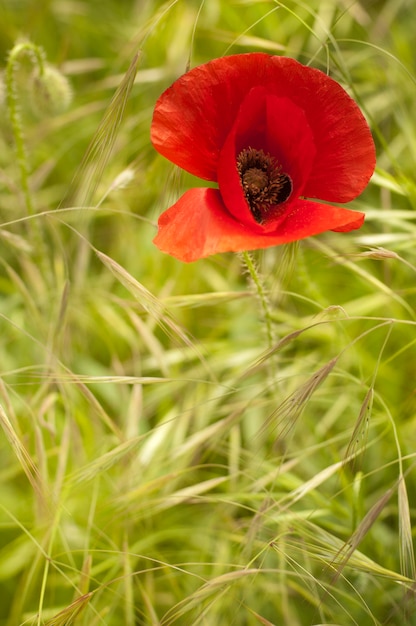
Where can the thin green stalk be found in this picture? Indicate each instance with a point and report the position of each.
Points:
(37, 58)
(13, 106)
(261, 294)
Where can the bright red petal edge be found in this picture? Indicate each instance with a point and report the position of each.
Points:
(193, 117)
(198, 225)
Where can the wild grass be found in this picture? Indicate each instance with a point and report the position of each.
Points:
(175, 450)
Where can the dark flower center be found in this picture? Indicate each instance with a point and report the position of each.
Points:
(264, 184)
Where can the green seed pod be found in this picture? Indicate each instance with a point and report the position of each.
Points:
(50, 92)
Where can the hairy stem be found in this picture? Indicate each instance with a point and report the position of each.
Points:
(37, 57)
(261, 294)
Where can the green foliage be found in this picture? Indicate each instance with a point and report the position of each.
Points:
(175, 449)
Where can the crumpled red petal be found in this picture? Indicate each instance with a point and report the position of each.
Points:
(195, 115)
(277, 126)
(198, 225)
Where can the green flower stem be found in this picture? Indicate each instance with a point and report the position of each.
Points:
(37, 57)
(261, 293)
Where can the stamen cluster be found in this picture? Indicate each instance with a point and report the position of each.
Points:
(264, 184)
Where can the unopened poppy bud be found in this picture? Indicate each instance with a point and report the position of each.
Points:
(50, 91)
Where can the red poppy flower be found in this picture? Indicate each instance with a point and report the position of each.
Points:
(271, 132)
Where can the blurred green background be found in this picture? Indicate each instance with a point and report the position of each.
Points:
(159, 463)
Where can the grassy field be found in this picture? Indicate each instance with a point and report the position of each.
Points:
(174, 450)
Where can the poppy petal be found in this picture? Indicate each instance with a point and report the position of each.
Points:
(280, 128)
(346, 157)
(199, 225)
(195, 115)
